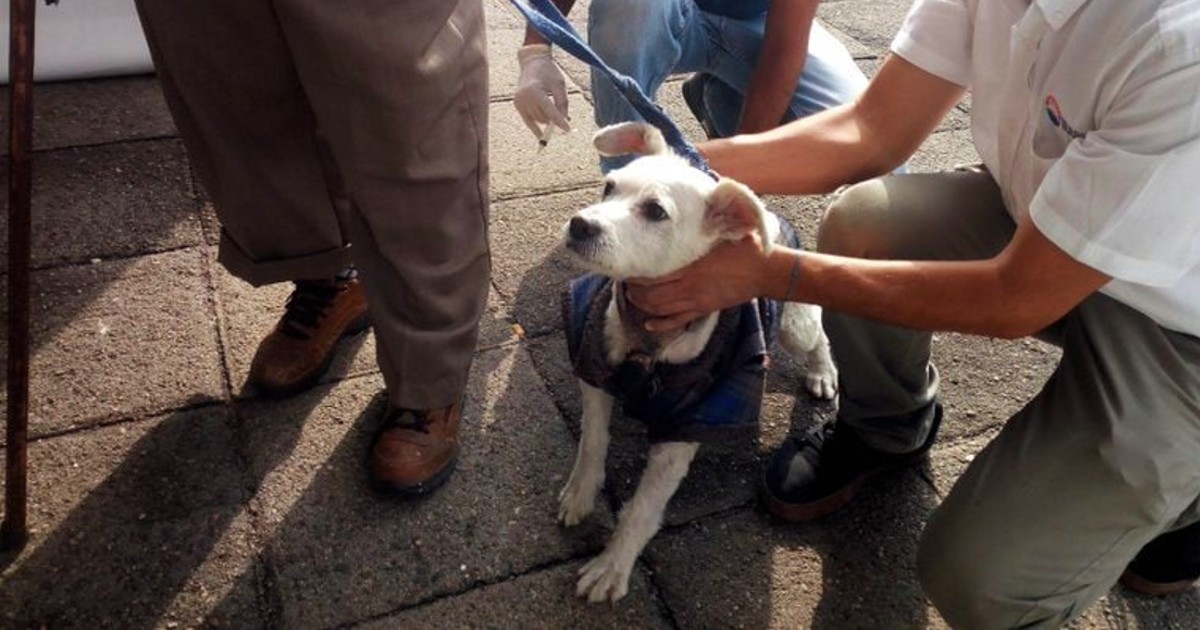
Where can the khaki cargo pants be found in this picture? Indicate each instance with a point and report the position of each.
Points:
(315, 124)
(1102, 460)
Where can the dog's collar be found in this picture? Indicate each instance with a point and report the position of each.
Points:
(702, 399)
(636, 375)
(633, 322)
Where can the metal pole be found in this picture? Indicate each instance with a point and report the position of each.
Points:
(14, 531)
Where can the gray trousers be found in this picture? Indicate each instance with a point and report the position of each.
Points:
(1102, 460)
(316, 124)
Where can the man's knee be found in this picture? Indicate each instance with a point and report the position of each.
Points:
(622, 29)
(951, 582)
(848, 228)
(962, 588)
(975, 585)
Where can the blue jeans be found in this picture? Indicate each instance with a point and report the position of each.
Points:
(650, 40)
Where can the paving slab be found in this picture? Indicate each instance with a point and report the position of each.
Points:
(100, 111)
(121, 339)
(109, 201)
(873, 23)
(503, 43)
(956, 120)
(210, 225)
(501, 15)
(496, 327)
(341, 554)
(857, 49)
(1122, 609)
(985, 381)
(530, 269)
(539, 599)
(854, 569)
(519, 169)
(944, 151)
(136, 525)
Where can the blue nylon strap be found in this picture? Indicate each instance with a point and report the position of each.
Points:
(553, 25)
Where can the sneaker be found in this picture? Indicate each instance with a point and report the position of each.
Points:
(1167, 565)
(815, 474)
(300, 347)
(415, 451)
(693, 95)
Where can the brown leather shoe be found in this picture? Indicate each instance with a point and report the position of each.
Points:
(300, 347)
(414, 451)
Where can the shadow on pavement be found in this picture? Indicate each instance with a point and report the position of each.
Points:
(1172, 611)
(154, 538)
(336, 552)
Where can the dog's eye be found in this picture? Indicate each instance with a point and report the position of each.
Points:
(654, 211)
(608, 188)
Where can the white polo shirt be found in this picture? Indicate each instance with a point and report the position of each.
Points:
(1087, 113)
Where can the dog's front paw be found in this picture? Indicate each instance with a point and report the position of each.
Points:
(606, 577)
(574, 506)
(577, 499)
(822, 382)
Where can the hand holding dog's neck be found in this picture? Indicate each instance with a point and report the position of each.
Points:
(633, 321)
(675, 346)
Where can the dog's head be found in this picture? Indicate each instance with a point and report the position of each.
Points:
(658, 213)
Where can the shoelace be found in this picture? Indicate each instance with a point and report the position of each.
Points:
(818, 435)
(410, 419)
(306, 306)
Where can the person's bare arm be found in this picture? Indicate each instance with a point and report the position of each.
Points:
(866, 138)
(780, 63)
(1024, 289)
(532, 36)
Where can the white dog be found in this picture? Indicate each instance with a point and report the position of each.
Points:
(659, 214)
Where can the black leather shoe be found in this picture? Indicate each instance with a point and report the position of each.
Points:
(815, 474)
(1167, 565)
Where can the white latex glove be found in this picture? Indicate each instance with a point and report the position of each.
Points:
(541, 96)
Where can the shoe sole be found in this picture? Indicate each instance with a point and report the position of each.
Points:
(800, 512)
(358, 325)
(419, 490)
(1139, 584)
(826, 505)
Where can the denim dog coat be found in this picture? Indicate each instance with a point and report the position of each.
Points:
(714, 397)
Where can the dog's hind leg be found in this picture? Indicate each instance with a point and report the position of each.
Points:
(578, 497)
(800, 332)
(606, 577)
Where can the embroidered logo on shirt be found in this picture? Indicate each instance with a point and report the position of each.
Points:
(1054, 112)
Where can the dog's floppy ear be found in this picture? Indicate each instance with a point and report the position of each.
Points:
(734, 211)
(629, 138)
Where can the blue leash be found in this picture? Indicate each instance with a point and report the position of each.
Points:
(553, 25)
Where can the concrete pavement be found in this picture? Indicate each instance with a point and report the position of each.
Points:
(162, 496)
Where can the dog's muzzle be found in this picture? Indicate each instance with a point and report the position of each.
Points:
(584, 237)
(581, 229)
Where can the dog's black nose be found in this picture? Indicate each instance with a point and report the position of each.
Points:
(581, 229)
